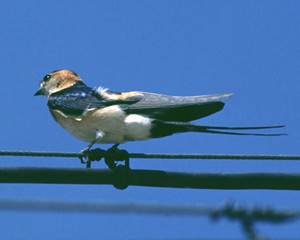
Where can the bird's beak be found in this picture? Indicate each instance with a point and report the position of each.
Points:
(39, 92)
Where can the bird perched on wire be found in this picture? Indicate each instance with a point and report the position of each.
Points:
(97, 115)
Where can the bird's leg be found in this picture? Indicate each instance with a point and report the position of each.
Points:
(99, 134)
(114, 147)
(114, 154)
(111, 152)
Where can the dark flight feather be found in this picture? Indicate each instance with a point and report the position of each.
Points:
(79, 98)
(163, 128)
(182, 109)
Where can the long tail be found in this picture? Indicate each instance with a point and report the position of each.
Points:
(163, 128)
(207, 129)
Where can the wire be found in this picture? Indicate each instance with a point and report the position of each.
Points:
(282, 181)
(231, 210)
(214, 156)
(157, 155)
(151, 178)
(40, 154)
(96, 207)
(247, 217)
(121, 178)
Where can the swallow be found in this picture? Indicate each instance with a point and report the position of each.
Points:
(97, 115)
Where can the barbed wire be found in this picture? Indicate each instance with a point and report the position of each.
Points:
(247, 217)
(230, 209)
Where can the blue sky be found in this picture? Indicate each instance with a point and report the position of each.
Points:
(250, 48)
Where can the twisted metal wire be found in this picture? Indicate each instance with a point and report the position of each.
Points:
(40, 154)
(157, 155)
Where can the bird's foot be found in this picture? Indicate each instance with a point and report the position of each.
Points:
(114, 154)
(91, 155)
(85, 153)
(111, 156)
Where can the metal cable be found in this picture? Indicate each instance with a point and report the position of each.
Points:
(40, 154)
(214, 156)
(157, 155)
(231, 210)
(247, 217)
(150, 178)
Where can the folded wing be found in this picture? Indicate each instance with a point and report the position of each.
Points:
(182, 109)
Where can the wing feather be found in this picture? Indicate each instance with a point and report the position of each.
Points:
(75, 100)
(173, 108)
(79, 98)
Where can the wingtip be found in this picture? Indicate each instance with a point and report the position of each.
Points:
(225, 95)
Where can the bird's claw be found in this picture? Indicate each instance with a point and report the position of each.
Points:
(85, 153)
(92, 155)
(111, 155)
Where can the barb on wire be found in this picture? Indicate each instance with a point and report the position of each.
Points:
(246, 216)
(249, 216)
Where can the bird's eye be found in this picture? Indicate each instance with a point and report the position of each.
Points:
(46, 78)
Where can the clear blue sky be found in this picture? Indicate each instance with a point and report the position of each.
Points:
(250, 48)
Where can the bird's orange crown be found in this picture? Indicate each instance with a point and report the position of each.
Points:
(57, 81)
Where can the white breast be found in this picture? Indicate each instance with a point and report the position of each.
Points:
(116, 125)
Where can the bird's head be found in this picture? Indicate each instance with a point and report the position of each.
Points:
(56, 81)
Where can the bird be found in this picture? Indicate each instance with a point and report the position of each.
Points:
(98, 115)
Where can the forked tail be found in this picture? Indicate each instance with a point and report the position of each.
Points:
(165, 128)
(211, 129)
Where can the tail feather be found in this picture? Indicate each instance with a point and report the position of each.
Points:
(240, 128)
(247, 134)
(210, 129)
(163, 128)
